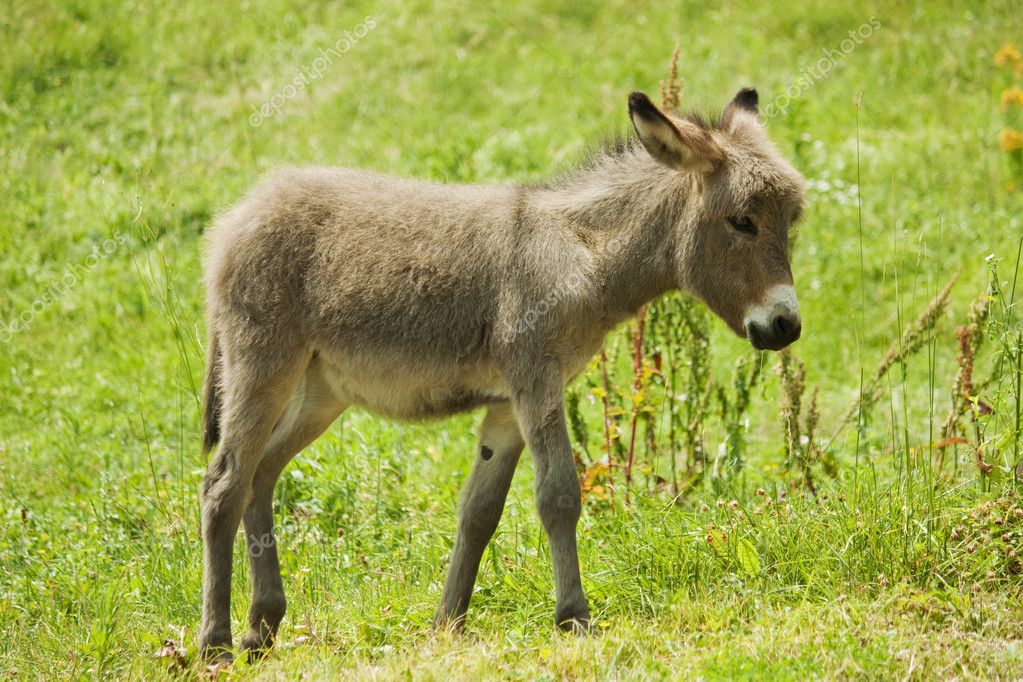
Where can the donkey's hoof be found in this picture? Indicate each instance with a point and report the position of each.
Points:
(576, 621)
(257, 644)
(452, 624)
(216, 653)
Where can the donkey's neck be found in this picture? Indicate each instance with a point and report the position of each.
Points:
(622, 206)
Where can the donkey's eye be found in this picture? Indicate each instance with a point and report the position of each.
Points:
(743, 224)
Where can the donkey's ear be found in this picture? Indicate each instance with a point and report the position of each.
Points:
(678, 144)
(745, 103)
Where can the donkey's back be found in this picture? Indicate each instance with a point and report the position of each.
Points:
(336, 251)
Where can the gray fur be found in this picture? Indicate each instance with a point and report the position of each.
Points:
(328, 288)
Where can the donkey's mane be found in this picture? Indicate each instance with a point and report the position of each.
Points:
(616, 147)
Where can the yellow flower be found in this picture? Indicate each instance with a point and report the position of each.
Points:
(1007, 54)
(1012, 96)
(1010, 140)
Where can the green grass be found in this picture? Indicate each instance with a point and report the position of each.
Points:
(124, 127)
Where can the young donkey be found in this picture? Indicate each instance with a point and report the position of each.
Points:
(328, 288)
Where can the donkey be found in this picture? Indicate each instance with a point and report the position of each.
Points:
(330, 288)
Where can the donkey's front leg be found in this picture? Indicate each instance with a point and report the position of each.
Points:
(482, 503)
(541, 416)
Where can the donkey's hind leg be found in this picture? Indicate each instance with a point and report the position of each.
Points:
(254, 397)
(312, 409)
(482, 503)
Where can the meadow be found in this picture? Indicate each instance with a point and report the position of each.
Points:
(848, 509)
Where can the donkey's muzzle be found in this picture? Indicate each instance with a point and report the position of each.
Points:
(775, 323)
(782, 330)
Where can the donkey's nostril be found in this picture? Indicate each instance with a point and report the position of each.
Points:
(786, 328)
(781, 326)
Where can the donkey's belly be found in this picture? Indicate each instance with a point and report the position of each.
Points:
(408, 389)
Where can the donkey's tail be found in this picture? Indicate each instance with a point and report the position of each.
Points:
(211, 416)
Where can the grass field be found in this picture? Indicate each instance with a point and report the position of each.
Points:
(124, 127)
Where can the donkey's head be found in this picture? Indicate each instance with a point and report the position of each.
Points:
(731, 245)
